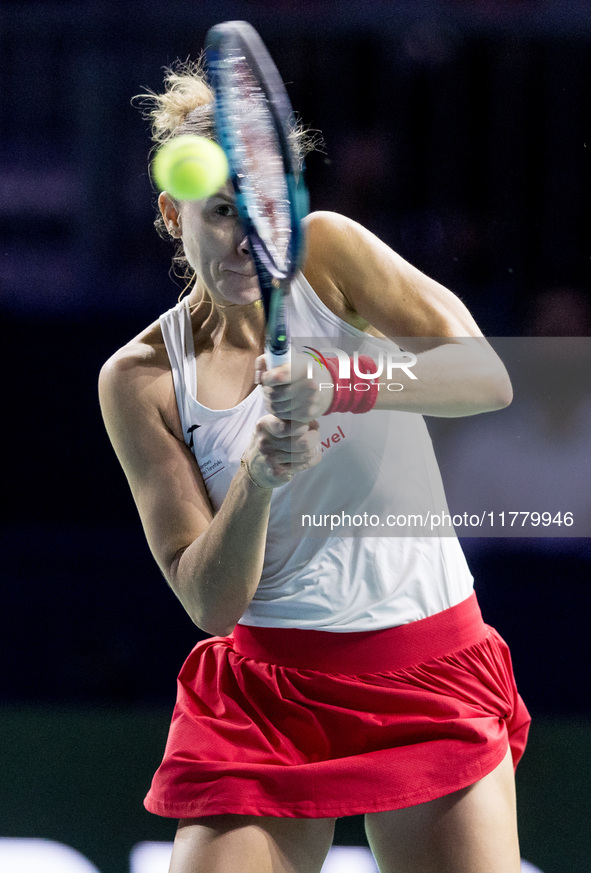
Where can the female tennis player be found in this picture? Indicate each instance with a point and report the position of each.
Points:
(346, 674)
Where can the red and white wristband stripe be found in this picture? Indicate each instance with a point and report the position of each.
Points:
(354, 394)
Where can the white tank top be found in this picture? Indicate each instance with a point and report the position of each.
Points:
(313, 577)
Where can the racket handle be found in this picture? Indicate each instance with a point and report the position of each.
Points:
(274, 359)
(277, 350)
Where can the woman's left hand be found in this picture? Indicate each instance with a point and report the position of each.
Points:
(290, 394)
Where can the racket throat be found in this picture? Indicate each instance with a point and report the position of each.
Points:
(277, 350)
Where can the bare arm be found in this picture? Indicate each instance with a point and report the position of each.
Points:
(371, 287)
(457, 371)
(212, 562)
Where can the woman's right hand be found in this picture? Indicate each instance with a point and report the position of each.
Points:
(279, 449)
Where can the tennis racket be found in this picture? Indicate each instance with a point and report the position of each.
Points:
(254, 120)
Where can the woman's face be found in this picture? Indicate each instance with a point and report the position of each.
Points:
(217, 249)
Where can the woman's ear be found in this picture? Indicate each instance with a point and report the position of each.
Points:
(170, 212)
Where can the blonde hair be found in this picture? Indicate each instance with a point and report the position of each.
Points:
(186, 105)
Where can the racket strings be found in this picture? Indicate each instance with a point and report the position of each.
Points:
(257, 157)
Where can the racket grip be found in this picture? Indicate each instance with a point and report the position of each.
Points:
(274, 359)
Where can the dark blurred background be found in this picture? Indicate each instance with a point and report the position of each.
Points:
(458, 131)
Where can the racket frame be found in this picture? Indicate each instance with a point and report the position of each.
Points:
(223, 41)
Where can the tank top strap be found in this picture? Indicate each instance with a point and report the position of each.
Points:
(177, 334)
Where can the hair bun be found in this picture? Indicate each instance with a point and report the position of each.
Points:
(185, 89)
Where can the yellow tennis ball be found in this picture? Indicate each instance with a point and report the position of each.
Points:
(190, 167)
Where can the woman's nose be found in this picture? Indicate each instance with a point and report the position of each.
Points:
(243, 246)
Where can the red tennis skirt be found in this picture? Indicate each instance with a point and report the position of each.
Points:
(312, 724)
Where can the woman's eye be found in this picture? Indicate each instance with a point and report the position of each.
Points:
(225, 210)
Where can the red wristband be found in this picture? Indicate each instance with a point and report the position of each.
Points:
(354, 394)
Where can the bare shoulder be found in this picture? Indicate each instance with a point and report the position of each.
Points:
(144, 352)
(326, 235)
(325, 222)
(330, 238)
(136, 380)
(342, 247)
(368, 284)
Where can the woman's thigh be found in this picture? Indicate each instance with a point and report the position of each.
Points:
(470, 831)
(251, 844)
